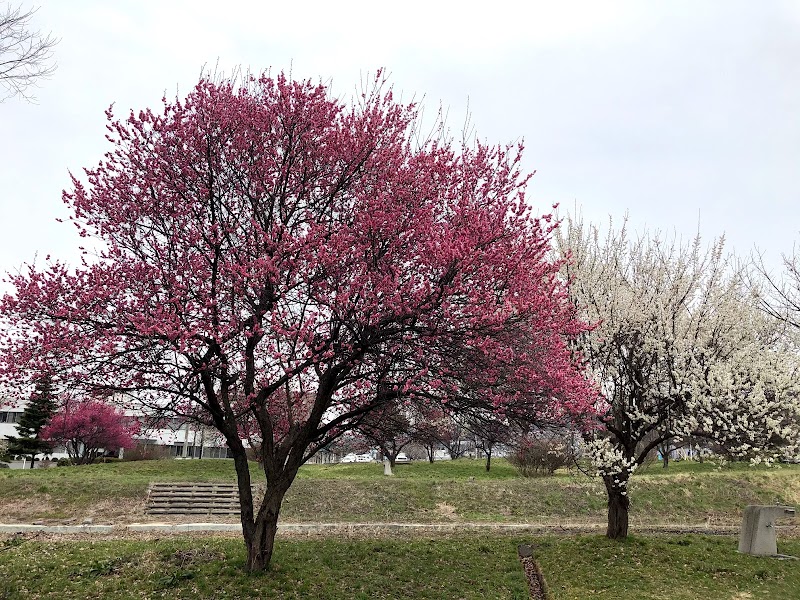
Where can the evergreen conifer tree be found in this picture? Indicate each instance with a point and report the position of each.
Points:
(37, 413)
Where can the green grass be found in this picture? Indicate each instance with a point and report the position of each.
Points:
(686, 493)
(677, 568)
(213, 568)
(674, 567)
(63, 492)
(421, 470)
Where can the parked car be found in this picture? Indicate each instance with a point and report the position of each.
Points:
(349, 458)
(402, 458)
(364, 458)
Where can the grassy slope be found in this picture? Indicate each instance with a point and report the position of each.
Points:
(420, 492)
(678, 568)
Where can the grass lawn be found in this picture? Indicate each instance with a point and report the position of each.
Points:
(688, 567)
(686, 493)
(676, 568)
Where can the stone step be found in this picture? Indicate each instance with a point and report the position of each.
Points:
(225, 484)
(186, 511)
(192, 499)
(200, 504)
(194, 493)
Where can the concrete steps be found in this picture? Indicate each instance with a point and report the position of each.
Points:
(192, 499)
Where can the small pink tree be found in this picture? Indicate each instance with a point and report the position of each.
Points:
(88, 428)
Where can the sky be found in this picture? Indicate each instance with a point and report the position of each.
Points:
(682, 114)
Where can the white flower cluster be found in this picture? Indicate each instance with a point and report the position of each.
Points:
(750, 404)
(610, 461)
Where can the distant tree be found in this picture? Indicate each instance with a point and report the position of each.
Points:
(452, 434)
(40, 407)
(390, 428)
(25, 54)
(430, 426)
(87, 428)
(778, 294)
(489, 431)
(541, 452)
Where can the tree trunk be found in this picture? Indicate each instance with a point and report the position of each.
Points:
(488, 460)
(33, 457)
(664, 451)
(618, 505)
(259, 532)
(261, 543)
(387, 466)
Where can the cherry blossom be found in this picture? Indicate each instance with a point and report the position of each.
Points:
(267, 256)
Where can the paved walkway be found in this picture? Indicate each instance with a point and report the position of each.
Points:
(358, 528)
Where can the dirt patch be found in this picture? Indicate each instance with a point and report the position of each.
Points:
(28, 510)
(117, 510)
(186, 558)
(447, 511)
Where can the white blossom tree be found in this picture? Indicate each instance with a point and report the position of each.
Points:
(679, 348)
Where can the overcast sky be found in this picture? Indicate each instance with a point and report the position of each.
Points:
(682, 113)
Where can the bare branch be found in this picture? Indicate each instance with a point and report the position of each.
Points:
(25, 54)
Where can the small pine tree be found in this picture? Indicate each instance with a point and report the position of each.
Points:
(37, 413)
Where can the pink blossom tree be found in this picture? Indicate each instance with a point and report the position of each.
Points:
(266, 257)
(89, 427)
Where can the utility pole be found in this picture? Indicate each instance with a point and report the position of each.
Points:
(186, 440)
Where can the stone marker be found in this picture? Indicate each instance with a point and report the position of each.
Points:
(758, 536)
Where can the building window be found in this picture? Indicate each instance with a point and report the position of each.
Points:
(9, 417)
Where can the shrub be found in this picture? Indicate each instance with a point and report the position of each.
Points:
(4, 455)
(537, 457)
(142, 451)
(64, 462)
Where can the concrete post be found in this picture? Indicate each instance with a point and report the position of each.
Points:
(758, 536)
